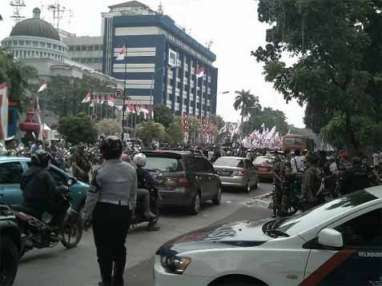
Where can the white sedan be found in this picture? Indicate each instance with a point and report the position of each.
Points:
(338, 243)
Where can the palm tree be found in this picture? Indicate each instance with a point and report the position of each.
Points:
(245, 101)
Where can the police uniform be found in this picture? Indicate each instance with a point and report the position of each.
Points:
(110, 200)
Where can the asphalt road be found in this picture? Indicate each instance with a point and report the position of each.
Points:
(78, 267)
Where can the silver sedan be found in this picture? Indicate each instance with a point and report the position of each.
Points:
(236, 172)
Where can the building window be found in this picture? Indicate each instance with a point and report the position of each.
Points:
(42, 44)
(78, 48)
(90, 48)
(21, 42)
(49, 45)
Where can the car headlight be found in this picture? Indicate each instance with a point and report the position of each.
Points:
(175, 264)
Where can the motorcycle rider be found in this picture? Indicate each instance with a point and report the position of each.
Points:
(145, 183)
(110, 201)
(40, 191)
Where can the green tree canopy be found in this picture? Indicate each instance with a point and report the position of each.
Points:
(267, 116)
(246, 102)
(174, 132)
(77, 129)
(337, 70)
(149, 131)
(20, 78)
(108, 127)
(163, 115)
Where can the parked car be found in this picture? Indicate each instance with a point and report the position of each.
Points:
(236, 172)
(10, 246)
(183, 179)
(264, 167)
(11, 170)
(337, 243)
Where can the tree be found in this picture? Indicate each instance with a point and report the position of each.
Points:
(217, 121)
(77, 129)
(108, 127)
(174, 132)
(163, 115)
(267, 116)
(20, 78)
(149, 131)
(337, 70)
(245, 102)
(65, 94)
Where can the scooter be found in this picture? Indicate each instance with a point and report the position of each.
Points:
(37, 233)
(139, 217)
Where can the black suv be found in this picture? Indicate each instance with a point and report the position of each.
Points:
(10, 245)
(184, 179)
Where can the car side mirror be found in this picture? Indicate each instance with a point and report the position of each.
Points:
(331, 238)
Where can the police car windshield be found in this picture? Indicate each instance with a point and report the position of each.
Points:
(303, 222)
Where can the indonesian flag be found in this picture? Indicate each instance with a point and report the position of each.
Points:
(200, 72)
(43, 86)
(120, 53)
(87, 98)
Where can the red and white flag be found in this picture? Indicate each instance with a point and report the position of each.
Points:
(121, 53)
(200, 72)
(87, 98)
(44, 86)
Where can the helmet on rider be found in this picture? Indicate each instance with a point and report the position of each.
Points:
(140, 160)
(40, 158)
(111, 148)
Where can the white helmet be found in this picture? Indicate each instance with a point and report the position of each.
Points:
(140, 159)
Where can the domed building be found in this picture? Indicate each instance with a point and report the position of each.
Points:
(35, 38)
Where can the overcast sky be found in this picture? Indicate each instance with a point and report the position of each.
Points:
(231, 25)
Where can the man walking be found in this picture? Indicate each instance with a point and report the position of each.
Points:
(110, 201)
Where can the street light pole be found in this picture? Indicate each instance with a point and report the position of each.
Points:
(124, 94)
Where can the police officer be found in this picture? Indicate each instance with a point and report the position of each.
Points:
(110, 201)
(311, 182)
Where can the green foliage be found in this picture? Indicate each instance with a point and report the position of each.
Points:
(149, 131)
(77, 129)
(267, 116)
(337, 64)
(64, 95)
(217, 121)
(174, 133)
(21, 78)
(163, 115)
(108, 127)
(246, 102)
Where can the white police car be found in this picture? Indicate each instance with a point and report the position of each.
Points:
(338, 243)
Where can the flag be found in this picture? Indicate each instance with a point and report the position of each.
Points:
(43, 86)
(3, 111)
(87, 98)
(120, 53)
(111, 100)
(200, 72)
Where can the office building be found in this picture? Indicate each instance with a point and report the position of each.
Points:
(160, 62)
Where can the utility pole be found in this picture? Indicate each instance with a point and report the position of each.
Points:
(58, 12)
(124, 91)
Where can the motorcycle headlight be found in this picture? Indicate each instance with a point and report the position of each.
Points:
(175, 264)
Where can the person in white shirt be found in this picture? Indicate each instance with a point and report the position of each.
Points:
(297, 162)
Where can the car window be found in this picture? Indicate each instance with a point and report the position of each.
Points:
(198, 164)
(228, 162)
(10, 173)
(163, 164)
(363, 231)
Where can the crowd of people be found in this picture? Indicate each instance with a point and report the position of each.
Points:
(305, 180)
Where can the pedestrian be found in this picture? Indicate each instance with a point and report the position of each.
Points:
(109, 205)
(311, 182)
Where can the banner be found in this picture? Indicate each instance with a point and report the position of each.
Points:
(3, 111)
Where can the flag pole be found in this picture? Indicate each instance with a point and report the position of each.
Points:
(124, 92)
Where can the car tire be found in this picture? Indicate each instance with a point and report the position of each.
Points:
(196, 204)
(8, 253)
(237, 283)
(218, 198)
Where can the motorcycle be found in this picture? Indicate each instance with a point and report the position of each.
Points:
(37, 233)
(138, 217)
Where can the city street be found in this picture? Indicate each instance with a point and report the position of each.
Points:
(78, 267)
